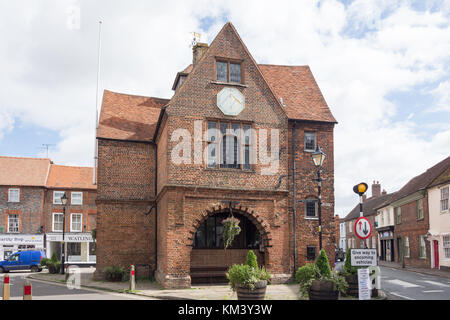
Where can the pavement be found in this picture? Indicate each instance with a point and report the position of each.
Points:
(152, 289)
(429, 271)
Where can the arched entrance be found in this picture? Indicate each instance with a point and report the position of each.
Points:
(209, 259)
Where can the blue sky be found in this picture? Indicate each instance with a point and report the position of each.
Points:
(383, 68)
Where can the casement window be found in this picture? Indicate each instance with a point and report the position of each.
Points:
(446, 246)
(422, 247)
(76, 220)
(444, 198)
(419, 209)
(374, 243)
(13, 195)
(58, 221)
(398, 215)
(229, 145)
(349, 243)
(76, 198)
(311, 253)
(311, 208)
(57, 197)
(350, 226)
(310, 141)
(13, 223)
(407, 250)
(228, 71)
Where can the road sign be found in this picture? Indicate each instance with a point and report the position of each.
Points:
(363, 228)
(363, 257)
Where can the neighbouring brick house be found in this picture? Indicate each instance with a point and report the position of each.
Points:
(30, 216)
(411, 217)
(369, 211)
(81, 213)
(160, 206)
(22, 192)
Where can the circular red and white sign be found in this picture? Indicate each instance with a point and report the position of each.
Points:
(363, 228)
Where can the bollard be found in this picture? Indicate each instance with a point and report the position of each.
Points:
(27, 292)
(132, 279)
(6, 288)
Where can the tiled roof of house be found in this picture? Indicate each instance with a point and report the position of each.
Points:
(423, 180)
(369, 207)
(16, 171)
(297, 87)
(70, 177)
(129, 117)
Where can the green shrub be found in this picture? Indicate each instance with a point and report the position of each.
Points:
(54, 257)
(244, 275)
(114, 273)
(323, 264)
(252, 260)
(348, 269)
(305, 275)
(44, 261)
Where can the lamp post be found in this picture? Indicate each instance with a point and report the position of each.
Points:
(318, 158)
(63, 254)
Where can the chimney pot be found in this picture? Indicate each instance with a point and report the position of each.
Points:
(376, 189)
(198, 50)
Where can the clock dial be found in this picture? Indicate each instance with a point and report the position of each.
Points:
(230, 101)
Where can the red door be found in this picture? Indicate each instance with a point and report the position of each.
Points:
(436, 254)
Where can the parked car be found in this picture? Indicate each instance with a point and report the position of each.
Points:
(23, 260)
(340, 255)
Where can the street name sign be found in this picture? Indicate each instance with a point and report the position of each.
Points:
(364, 284)
(363, 228)
(363, 257)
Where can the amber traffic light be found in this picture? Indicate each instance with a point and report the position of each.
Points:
(360, 188)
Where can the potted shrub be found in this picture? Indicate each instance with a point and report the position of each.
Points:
(318, 282)
(350, 274)
(53, 264)
(248, 280)
(114, 273)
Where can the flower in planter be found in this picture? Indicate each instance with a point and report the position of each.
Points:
(230, 230)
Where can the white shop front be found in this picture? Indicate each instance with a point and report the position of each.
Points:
(10, 243)
(80, 248)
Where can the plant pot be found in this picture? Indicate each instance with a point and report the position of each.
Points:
(54, 269)
(353, 288)
(323, 290)
(258, 293)
(114, 277)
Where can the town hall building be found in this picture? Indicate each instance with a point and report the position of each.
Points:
(235, 139)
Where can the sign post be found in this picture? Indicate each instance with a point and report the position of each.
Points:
(364, 258)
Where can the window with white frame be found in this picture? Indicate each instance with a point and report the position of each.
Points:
(13, 195)
(349, 226)
(57, 197)
(349, 243)
(310, 141)
(407, 251)
(419, 209)
(444, 198)
(311, 208)
(422, 247)
(13, 223)
(446, 246)
(76, 222)
(374, 243)
(58, 220)
(76, 198)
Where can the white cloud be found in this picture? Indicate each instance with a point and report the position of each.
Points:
(359, 54)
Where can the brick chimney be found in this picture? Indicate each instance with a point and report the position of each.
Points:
(364, 198)
(384, 192)
(376, 189)
(197, 51)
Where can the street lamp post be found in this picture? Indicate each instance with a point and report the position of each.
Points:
(63, 254)
(318, 158)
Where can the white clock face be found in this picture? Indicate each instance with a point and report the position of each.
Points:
(230, 101)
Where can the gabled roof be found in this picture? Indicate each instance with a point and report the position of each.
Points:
(129, 117)
(423, 180)
(16, 171)
(70, 177)
(301, 95)
(369, 207)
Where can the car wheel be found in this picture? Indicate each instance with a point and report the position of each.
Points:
(34, 269)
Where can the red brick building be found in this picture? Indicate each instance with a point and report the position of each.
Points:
(170, 170)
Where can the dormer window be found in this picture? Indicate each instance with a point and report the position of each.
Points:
(228, 71)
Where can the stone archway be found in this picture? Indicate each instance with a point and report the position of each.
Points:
(208, 259)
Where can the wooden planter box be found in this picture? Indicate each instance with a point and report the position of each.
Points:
(258, 293)
(323, 290)
(353, 288)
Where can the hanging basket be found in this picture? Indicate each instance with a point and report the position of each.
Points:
(230, 230)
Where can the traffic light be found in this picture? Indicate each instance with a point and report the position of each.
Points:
(360, 188)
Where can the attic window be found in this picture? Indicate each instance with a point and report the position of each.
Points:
(228, 71)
